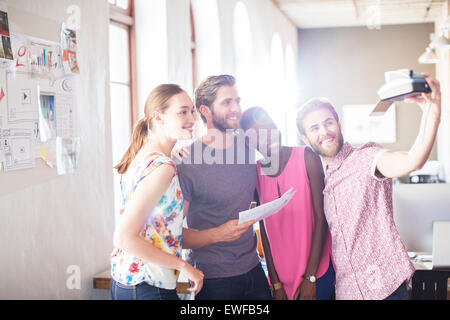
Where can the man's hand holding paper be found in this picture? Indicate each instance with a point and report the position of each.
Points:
(268, 209)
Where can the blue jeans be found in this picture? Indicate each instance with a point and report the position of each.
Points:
(250, 286)
(400, 294)
(141, 291)
(325, 286)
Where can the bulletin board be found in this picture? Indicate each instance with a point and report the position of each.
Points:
(37, 101)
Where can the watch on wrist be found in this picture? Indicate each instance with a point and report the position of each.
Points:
(311, 279)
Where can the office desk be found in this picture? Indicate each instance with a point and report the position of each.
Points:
(425, 265)
(102, 281)
(422, 265)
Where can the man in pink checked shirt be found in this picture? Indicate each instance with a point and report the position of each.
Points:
(371, 261)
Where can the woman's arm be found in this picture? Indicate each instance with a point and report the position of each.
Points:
(316, 180)
(144, 199)
(280, 293)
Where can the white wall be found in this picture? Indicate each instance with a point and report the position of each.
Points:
(265, 20)
(347, 65)
(415, 209)
(55, 223)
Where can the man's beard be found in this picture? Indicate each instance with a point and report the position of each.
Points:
(329, 153)
(220, 123)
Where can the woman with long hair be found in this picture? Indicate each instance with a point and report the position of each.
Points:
(146, 260)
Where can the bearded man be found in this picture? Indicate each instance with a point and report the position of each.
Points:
(370, 259)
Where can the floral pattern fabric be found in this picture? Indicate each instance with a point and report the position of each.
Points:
(370, 259)
(163, 227)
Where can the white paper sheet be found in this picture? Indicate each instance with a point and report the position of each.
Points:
(268, 209)
(67, 154)
(17, 149)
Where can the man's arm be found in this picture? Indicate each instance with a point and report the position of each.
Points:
(228, 232)
(398, 164)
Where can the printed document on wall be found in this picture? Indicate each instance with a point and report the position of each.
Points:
(5, 41)
(17, 149)
(67, 153)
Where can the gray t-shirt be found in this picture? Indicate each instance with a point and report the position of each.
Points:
(219, 184)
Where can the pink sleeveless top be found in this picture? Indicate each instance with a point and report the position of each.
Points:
(290, 230)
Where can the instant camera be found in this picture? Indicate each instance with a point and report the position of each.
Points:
(400, 84)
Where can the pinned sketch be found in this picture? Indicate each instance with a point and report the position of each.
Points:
(37, 56)
(69, 46)
(22, 99)
(47, 119)
(17, 149)
(26, 96)
(67, 153)
(65, 105)
(37, 106)
(5, 43)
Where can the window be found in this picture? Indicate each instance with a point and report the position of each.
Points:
(121, 4)
(243, 53)
(193, 48)
(207, 38)
(122, 55)
(277, 101)
(124, 110)
(291, 96)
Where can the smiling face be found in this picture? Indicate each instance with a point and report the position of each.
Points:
(180, 117)
(268, 136)
(226, 112)
(323, 133)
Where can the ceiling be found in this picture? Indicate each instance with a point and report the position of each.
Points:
(370, 13)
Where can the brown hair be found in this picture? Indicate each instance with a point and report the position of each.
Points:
(157, 101)
(313, 105)
(206, 92)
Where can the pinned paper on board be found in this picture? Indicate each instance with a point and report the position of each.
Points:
(17, 149)
(69, 45)
(5, 43)
(37, 100)
(67, 153)
(37, 56)
(47, 119)
(47, 153)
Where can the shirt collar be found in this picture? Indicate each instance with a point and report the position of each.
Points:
(339, 159)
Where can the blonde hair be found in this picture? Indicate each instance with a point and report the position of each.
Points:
(157, 101)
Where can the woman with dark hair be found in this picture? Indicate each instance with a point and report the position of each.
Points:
(296, 241)
(146, 261)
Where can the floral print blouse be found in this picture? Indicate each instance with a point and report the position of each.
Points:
(163, 227)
